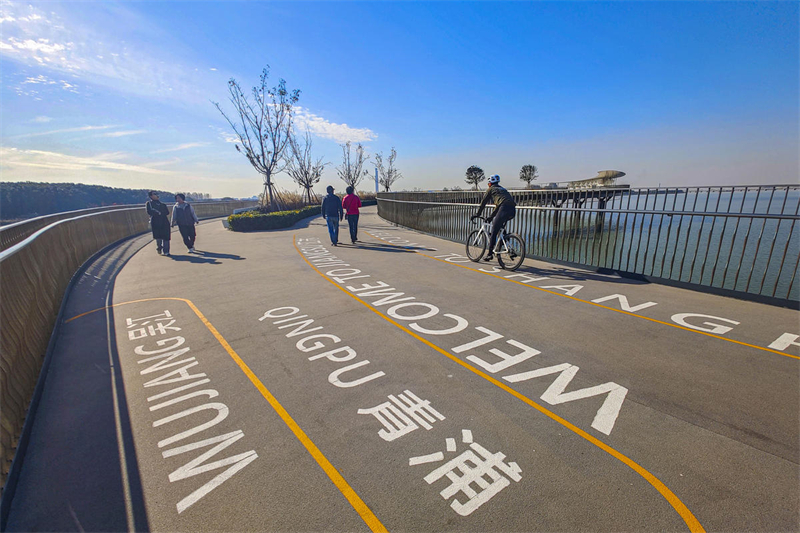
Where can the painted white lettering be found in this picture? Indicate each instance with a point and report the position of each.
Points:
(333, 378)
(139, 350)
(300, 329)
(784, 341)
(222, 414)
(193, 467)
(717, 329)
(285, 311)
(432, 311)
(389, 296)
(168, 356)
(176, 390)
(507, 359)
(290, 319)
(343, 272)
(211, 393)
(623, 303)
(182, 373)
(301, 344)
(606, 416)
(351, 353)
(161, 365)
(490, 336)
(367, 286)
(348, 278)
(524, 278)
(461, 325)
(569, 290)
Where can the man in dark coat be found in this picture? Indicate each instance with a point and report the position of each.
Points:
(332, 212)
(159, 222)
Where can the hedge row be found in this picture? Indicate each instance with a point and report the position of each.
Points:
(255, 221)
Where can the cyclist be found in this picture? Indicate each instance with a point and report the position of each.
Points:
(504, 210)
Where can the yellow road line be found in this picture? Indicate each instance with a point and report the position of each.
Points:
(604, 306)
(684, 512)
(358, 504)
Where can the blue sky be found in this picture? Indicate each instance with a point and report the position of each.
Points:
(675, 93)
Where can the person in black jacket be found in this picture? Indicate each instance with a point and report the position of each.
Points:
(505, 208)
(332, 212)
(159, 222)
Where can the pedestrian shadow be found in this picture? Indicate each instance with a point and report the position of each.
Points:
(195, 259)
(207, 258)
(380, 247)
(217, 255)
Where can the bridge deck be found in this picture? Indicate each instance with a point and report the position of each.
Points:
(476, 400)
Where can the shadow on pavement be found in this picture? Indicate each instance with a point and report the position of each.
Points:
(209, 258)
(380, 247)
(81, 471)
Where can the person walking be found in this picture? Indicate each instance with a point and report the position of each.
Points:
(351, 203)
(183, 215)
(333, 213)
(159, 222)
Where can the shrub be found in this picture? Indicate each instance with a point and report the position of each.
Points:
(255, 221)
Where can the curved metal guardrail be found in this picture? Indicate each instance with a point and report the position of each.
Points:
(738, 240)
(32, 285)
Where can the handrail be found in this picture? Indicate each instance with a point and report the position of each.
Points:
(739, 240)
(11, 234)
(614, 211)
(32, 287)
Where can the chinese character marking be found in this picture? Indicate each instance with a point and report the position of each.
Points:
(402, 415)
(476, 468)
(159, 328)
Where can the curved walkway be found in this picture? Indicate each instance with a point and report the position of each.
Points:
(272, 382)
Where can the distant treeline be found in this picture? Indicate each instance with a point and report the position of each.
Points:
(28, 199)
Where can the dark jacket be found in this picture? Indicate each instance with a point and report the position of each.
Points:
(500, 197)
(332, 207)
(159, 219)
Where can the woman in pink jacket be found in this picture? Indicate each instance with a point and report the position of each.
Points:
(351, 203)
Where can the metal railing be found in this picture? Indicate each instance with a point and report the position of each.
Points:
(34, 274)
(742, 239)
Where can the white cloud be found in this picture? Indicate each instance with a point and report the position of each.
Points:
(99, 53)
(225, 135)
(155, 164)
(123, 133)
(330, 130)
(67, 130)
(56, 161)
(40, 45)
(42, 119)
(184, 146)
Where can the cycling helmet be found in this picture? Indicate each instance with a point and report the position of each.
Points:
(494, 179)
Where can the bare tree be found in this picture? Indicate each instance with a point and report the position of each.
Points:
(303, 169)
(263, 127)
(528, 173)
(389, 174)
(351, 170)
(475, 175)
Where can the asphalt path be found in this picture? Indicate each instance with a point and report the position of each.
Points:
(273, 382)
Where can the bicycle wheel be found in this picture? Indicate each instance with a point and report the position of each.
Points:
(516, 253)
(476, 245)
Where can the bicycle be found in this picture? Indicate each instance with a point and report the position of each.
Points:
(510, 248)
